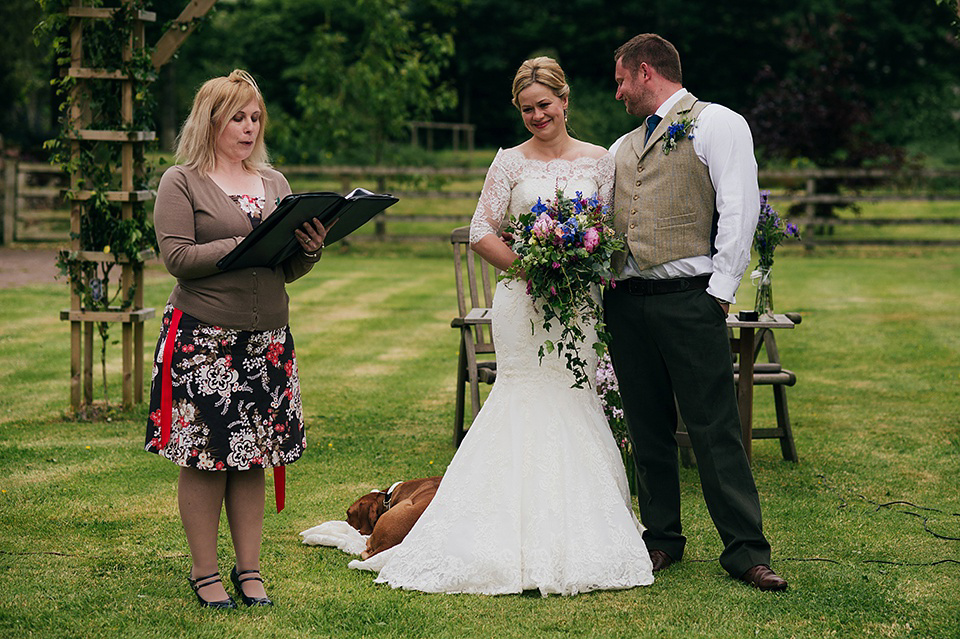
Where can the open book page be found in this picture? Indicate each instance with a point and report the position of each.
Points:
(358, 192)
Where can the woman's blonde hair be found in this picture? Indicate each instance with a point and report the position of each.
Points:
(218, 100)
(541, 70)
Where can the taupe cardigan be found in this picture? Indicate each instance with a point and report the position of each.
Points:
(196, 225)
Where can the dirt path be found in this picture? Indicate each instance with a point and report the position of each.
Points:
(23, 267)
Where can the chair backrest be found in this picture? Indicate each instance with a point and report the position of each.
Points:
(476, 283)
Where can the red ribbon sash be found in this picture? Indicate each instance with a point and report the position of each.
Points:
(166, 380)
(280, 486)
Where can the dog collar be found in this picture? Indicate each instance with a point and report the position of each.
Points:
(387, 496)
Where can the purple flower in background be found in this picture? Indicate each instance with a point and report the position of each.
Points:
(771, 231)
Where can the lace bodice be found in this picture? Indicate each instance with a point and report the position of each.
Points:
(514, 183)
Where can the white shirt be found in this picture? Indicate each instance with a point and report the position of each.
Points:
(723, 142)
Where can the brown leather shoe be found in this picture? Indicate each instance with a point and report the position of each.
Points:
(764, 578)
(660, 560)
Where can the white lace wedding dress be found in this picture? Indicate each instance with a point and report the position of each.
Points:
(536, 497)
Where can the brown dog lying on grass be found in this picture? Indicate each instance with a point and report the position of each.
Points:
(387, 516)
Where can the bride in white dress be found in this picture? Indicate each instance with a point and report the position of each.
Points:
(536, 496)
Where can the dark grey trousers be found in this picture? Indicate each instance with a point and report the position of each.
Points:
(675, 345)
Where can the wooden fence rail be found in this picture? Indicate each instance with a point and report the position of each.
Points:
(33, 207)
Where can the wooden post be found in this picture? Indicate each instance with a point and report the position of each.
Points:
(126, 213)
(9, 200)
(810, 211)
(88, 338)
(138, 353)
(380, 222)
(80, 383)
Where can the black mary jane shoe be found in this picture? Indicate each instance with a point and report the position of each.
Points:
(202, 582)
(237, 580)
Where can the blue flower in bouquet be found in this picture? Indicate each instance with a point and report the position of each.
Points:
(578, 202)
(570, 231)
(564, 248)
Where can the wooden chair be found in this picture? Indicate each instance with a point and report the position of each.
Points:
(769, 373)
(476, 282)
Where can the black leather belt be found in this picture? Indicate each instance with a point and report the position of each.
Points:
(637, 286)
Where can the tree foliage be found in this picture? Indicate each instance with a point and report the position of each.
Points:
(340, 77)
(368, 71)
(855, 81)
(838, 82)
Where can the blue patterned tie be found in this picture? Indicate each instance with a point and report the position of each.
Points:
(652, 122)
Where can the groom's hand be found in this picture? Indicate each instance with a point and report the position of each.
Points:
(724, 305)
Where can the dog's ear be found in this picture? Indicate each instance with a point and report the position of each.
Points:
(373, 513)
(353, 515)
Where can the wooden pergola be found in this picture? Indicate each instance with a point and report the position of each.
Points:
(131, 314)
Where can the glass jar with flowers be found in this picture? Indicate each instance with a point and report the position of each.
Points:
(771, 231)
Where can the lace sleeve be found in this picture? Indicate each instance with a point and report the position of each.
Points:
(494, 201)
(606, 179)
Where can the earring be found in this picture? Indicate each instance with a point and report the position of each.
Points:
(564, 115)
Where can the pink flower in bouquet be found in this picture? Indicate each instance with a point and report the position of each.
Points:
(556, 265)
(591, 238)
(543, 226)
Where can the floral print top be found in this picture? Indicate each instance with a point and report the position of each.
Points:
(252, 206)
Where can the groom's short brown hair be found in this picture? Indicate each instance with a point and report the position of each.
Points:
(655, 51)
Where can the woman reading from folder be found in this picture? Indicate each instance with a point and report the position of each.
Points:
(225, 395)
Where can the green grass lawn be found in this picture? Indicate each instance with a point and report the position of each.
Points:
(865, 527)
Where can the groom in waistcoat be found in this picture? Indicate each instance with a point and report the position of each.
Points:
(687, 202)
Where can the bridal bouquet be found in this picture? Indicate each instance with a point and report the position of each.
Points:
(608, 388)
(565, 247)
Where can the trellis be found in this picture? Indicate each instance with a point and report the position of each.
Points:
(129, 192)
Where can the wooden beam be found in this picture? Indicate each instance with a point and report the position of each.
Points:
(182, 27)
(81, 315)
(106, 14)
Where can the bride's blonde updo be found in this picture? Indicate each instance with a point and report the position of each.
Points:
(542, 70)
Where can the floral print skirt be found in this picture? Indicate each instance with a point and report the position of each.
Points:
(232, 397)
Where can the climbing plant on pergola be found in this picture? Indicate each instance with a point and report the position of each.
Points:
(106, 67)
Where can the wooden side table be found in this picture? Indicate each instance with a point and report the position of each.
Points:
(750, 336)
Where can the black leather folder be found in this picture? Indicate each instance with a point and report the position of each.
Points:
(273, 241)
